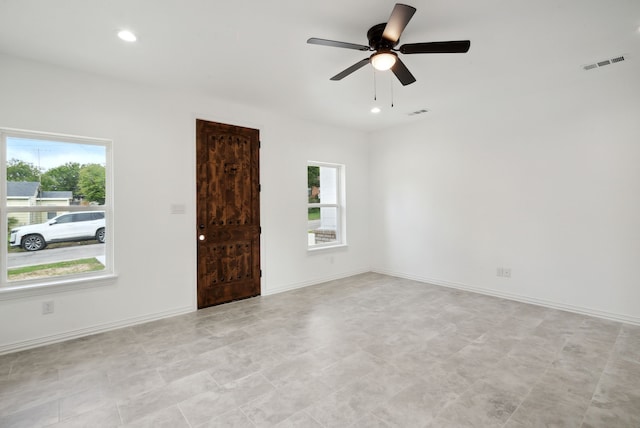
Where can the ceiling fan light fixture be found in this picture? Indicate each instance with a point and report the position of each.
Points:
(383, 60)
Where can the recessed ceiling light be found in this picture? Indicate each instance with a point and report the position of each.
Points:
(127, 36)
(375, 110)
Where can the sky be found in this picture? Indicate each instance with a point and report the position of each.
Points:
(50, 154)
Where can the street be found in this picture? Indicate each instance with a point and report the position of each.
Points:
(54, 255)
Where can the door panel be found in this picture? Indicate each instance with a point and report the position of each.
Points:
(62, 229)
(228, 208)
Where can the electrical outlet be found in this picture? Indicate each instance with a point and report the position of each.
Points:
(503, 272)
(47, 307)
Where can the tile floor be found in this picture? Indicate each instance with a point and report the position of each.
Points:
(367, 351)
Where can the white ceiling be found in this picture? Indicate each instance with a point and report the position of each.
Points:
(255, 52)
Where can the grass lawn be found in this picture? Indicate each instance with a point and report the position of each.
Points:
(55, 269)
(314, 213)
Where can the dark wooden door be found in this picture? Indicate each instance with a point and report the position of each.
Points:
(228, 205)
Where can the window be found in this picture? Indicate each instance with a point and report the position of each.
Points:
(56, 210)
(326, 206)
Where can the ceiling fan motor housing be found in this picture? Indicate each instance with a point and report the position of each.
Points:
(376, 41)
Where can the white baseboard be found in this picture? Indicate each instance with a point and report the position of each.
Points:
(100, 328)
(516, 297)
(314, 281)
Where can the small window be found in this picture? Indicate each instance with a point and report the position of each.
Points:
(55, 201)
(326, 205)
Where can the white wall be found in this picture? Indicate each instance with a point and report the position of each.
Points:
(545, 183)
(154, 166)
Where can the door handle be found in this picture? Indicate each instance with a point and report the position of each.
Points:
(201, 237)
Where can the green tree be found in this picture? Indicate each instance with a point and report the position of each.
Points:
(63, 178)
(313, 182)
(91, 183)
(313, 176)
(18, 170)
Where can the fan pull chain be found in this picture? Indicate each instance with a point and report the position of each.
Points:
(391, 80)
(375, 86)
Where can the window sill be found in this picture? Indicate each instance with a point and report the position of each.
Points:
(325, 247)
(58, 286)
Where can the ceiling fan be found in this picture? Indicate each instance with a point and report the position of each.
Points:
(383, 39)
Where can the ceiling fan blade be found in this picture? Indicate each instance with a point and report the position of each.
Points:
(348, 71)
(400, 17)
(458, 46)
(333, 43)
(402, 73)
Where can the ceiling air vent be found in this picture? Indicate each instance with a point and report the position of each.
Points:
(423, 111)
(604, 62)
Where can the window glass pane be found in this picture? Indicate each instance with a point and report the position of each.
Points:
(322, 184)
(41, 248)
(41, 172)
(328, 185)
(322, 225)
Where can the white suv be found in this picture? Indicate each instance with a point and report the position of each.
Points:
(77, 226)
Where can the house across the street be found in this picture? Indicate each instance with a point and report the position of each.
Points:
(28, 194)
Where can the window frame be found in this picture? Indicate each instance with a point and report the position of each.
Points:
(340, 205)
(33, 287)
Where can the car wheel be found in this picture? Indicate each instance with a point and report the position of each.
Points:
(33, 242)
(100, 235)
